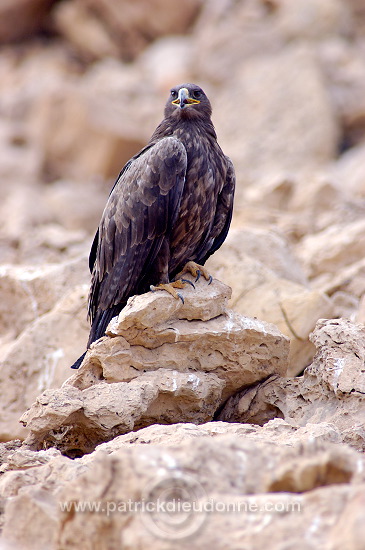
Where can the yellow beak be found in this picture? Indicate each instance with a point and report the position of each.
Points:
(184, 100)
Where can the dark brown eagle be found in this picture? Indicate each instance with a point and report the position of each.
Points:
(171, 204)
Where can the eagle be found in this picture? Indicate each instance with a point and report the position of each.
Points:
(168, 211)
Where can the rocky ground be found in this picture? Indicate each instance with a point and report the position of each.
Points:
(248, 400)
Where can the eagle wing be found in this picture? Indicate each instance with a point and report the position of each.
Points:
(140, 213)
(222, 217)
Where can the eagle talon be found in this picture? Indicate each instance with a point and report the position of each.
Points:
(198, 273)
(181, 297)
(210, 280)
(188, 282)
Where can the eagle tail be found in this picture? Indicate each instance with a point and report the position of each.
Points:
(98, 328)
(78, 362)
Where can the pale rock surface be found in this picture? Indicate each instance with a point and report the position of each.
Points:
(121, 28)
(268, 283)
(344, 68)
(316, 202)
(235, 464)
(255, 28)
(162, 361)
(333, 248)
(28, 292)
(331, 390)
(350, 170)
(287, 84)
(40, 358)
(267, 141)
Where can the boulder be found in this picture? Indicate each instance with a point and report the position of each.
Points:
(331, 389)
(26, 293)
(40, 358)
(333, 248)
(19, 19)
(282, 132)
(255, 483)
(268, 283)
(119, 28)
(162, 361)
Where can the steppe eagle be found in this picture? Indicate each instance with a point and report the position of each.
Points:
(170, 205)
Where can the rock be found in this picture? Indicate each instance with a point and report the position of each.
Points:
(333, 248)
(99, 129)
(316, 203)
(259, 292)
(76, 421)
(40, 358)
(119, 28)
(331, 389)
(19, 19)
(267, 142)
(78, 99)
(344, 68)
(269, 247)
(27, 293)
(260, 27)
(301, 476)
(161, 361)
(340, 356)
(349, 168)
(167, 61)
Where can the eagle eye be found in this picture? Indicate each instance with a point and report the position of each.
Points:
(197, 94)
(173, 93)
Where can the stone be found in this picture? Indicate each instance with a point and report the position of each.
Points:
(119, 28)
(267, 141)
(333, 248)
(349, 168)
(28, 292)
(260, 27)
(331, 389)
(40, 358)
(162, 361)
(239, 466)
(19, 19)
(76, 421)
(344, 69)
(82, 86)
(274, 296)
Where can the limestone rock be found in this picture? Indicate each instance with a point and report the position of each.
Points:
(40, 358)
(20, 18)
(333, 248)
(120, 28)
(273, 295)
(302, 477)
(76, 421)
(331, 389)
(267, 141)
(27, 293)
(256, 28)
(161, 361)
(287, 85)
(349, 168)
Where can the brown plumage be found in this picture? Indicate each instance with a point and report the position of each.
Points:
(172, 202)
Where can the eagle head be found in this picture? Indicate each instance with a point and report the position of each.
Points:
(188, 101)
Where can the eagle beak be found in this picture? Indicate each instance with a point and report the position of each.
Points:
(184, 99)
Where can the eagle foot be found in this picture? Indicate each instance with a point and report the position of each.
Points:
(196, 270)
(170, 288)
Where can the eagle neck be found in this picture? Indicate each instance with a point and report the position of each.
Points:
(185, 129)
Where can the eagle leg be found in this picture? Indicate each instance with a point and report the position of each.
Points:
(170, 288)
(196, 270)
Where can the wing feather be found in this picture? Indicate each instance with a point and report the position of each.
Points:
(140, 213)
(223, 215)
